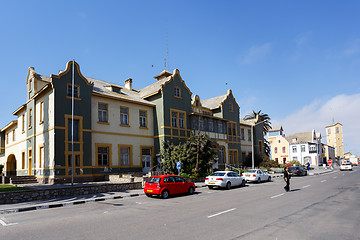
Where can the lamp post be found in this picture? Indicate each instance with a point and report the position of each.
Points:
(252, 144)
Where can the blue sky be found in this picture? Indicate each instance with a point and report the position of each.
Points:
(298, 61)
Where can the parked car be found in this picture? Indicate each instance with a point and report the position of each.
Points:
(224, 179)
(345, 166)
(256, 175)
(297, 171)
(166, 185)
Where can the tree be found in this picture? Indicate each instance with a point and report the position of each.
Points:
(186, 153)
(266, 126)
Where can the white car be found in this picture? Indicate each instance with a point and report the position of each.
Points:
(226, 179)
(256, 175)
(345, 166)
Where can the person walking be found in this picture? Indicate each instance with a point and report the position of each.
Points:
(287, 179)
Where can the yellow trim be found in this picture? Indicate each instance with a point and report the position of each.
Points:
(131, 163)
(97, 145)
(30, 115)
(41, 161)
(68, 68)
(30, 164)
(122, 134)
(67, 88)
(176, 96)
(23, 159)
(41, 120)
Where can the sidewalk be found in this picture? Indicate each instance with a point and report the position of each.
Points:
(75, 200)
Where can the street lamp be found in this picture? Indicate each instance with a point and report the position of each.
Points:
(252, 144)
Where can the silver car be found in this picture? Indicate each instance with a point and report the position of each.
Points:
(224, 179)
(256, 175)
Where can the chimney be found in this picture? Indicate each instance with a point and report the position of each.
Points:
(128, 83)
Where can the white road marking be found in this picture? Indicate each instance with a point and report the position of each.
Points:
(278, 195)
(323, 181)
(217, 214)
(138, 203)
(306, 186)
(3, 222)
(334, 177)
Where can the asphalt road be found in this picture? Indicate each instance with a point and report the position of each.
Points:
(318, 207)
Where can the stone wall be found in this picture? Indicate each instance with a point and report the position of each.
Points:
(40, 194)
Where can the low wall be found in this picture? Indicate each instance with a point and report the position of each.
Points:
(40, 194)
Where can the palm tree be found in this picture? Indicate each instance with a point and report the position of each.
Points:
(266, 126)
(260, 117)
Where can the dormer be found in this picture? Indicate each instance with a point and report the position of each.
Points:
(163, 74)
(113, 88)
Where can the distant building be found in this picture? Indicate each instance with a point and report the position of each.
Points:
(327, 152)
(274, 132)
(305, 147)
(334, 138)
(280, 149)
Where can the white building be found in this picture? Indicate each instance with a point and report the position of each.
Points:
(305, 147)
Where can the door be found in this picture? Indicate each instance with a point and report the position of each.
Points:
(171, 185)
(146, 159)
(181, 185)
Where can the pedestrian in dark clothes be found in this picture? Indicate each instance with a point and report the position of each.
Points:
(287, 179)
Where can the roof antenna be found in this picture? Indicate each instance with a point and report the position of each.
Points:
(167, 52)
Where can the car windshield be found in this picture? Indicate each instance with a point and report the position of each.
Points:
(251, 171)
(218, 174)
(153, 180)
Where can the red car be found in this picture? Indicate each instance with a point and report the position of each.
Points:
(164, 185)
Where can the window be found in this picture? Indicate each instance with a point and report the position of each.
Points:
(7, 138)
(124, 116)
(177, 92)
(220, 127)
(302, 148)
(231, 107)
(30, 85)
(329, 131)
(294, 158)
(201, 120)
(181, 120)
(232, 129)
(76, 130)
(294, 149)
(30, 117)
(337, 130)
(125, 156)
(76, 90)
(249, 135)
(275, 149)
(211, 125)
(41, 156)
(30, 158)
(143, 118)
(284, 149)
(13, 133)
(23, 123)
(103, 156)
(242, 134)
(221, 154)
(41, 112)
(76, 160)
(294, 140)
(103, 112)
(174, 119)
(23, 160)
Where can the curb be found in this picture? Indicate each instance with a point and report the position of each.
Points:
(56, 205)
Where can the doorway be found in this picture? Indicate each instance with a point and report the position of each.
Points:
(11, 165)
(146, 159)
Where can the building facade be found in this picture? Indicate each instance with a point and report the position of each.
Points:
(334, 138)
(99, 128)
(305, 147)
(280, 149)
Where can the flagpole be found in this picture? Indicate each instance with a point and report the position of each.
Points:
(72, 126)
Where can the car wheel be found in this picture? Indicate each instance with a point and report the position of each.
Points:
(210, 187)
(191, 190)
(269, 179)
(148, 194)
(228, 185)
(243, 183)
(259, 180)
(165, 194)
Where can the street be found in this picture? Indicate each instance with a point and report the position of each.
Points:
(318, 207)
